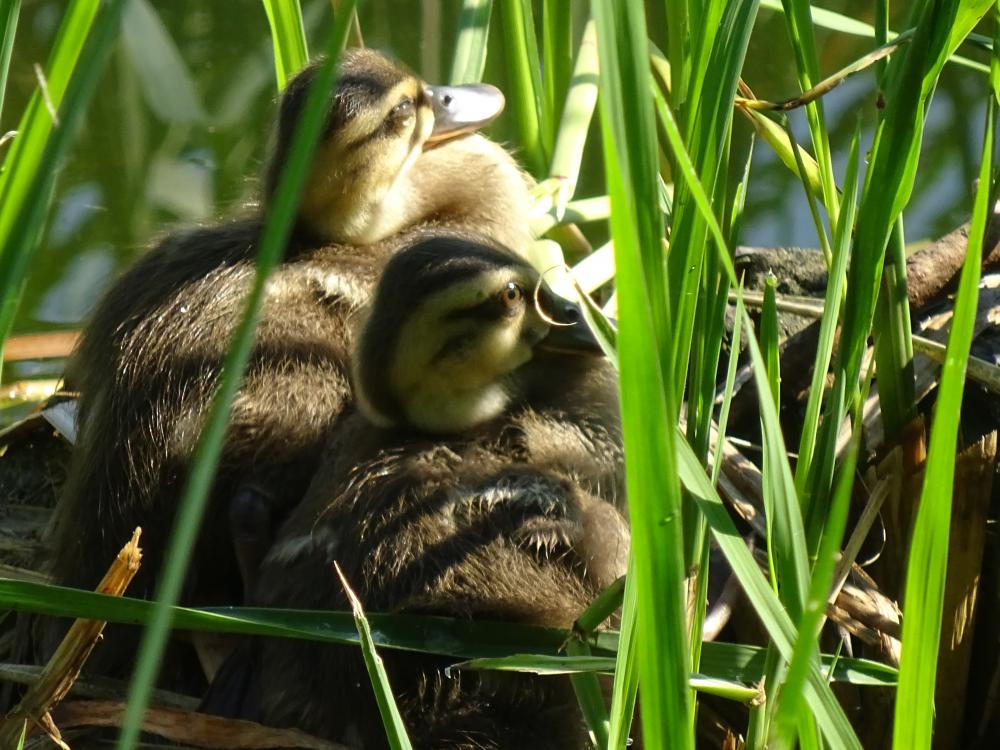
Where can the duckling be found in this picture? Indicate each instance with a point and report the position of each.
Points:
(149, 359)
(486, 491)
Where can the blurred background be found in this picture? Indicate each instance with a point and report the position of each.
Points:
(179, 128)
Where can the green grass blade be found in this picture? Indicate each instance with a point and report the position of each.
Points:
(889, 183)
(9, 12)
(798, 19)
(557, 55)
(649, 404)
(789, 711)
(578, 111)
(469, 61)
(534, 132)
(590, 697)
(34, 161)
(928, 559)
(828, 323)
(829, 714)
(828, 19)
(706, 131)
(206, 455)
(22, 162)
(288, 35)
(459, 638)
(395, 730)
(626, 685)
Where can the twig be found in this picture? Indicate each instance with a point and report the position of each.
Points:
(64, 667)
(191, 728)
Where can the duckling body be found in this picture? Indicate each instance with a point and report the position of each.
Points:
(149, 359)
(510, 517)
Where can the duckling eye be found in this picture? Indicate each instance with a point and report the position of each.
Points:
(403, 109)
(511, 295)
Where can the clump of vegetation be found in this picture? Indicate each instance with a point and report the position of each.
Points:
(866, 443)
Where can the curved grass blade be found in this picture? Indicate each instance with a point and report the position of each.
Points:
(288, 36)
(429, 634)
(191, 508)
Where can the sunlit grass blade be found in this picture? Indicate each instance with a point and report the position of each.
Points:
(894, 344)
(911, 78)
(534, 132)
(830, 716)
(577, 113)
(626, 685)
(789, 712)
(10, 10)
(706, 129)
(557, 55)
(395, 730)
(927, 566)
(469, 60)
(798, 19)
(23, 169)
(589, 696)
(191, 508)
(828, 324)
(777, 138)
(288, 35)
(649, 403)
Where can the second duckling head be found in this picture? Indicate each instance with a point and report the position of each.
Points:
(373, 173)
(457, 330)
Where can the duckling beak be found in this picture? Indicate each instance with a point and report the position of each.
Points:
(462, 109)
(568, 331)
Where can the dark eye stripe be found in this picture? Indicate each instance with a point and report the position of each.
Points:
(488, 309)
(389, 123)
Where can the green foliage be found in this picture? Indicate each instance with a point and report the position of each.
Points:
(928, 559)
(288, 36)
(30, 166)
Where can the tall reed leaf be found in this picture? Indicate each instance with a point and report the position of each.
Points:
(534, 130)
(911, 78)
(288, 36)
(829, 715)
(276, 231)
(469, 61)
(928, 560)
(798, 18)
(9, 12)
(828, 323)
(649, 406)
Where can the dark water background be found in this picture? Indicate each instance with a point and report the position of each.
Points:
(178, 129)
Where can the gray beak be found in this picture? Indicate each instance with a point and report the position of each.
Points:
(462, 109)
(569, 334)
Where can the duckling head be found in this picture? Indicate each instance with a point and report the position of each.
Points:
(454, 332)
(395, 151)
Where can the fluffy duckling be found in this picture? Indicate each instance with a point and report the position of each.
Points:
(393, 158)
(510, 518)
(149, 358)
